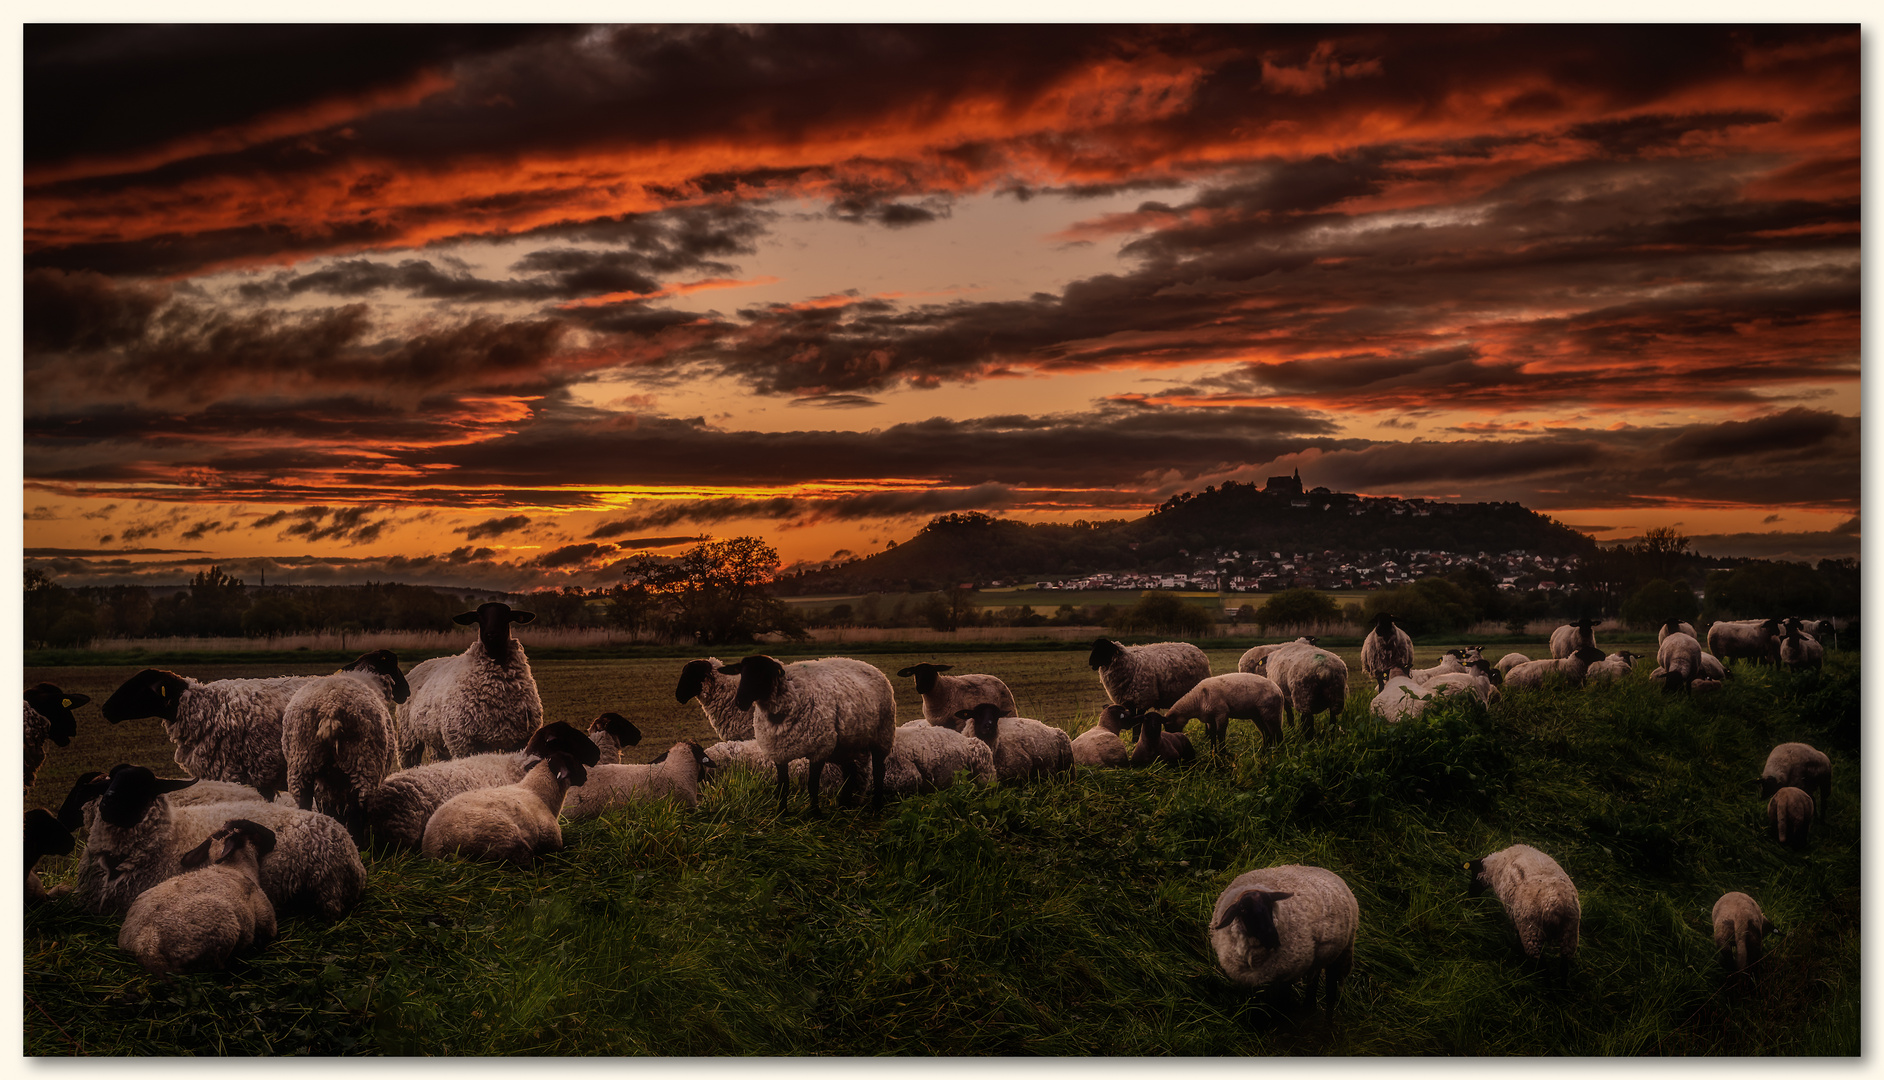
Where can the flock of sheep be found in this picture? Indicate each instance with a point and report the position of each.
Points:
(291, 777)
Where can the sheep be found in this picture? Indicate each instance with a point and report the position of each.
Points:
(228, 729)
(1610, 668)
(1746, 639)
(1236, 696)
(1400, 698)
(1470, 682)
(48, 716)
(928, 756)
(1311, 680)
(138, 839)
(1099, 746)
(610, 732)
(1679, 660)
(1155, 744)
(1739, 928)
(676, 774)
(739, 754)
(1796, 764)
(483, 700)
(337, 737)
(1508, 661)
(1452, 661)
(1247, 662)
(1533, 674)
(81, 803)
(1151, 676)
(821, 710)
(945, 695)
(399, 807)
(1572, 637)
(1674, 625)
(1023, 748)
(45, 835)
(1538, 897)
(702, 679)
(1712, 668)
(199, 920)
(1789, 812)
(1387, 646)
(513, 823)
(1798, 650)
(1283, 923)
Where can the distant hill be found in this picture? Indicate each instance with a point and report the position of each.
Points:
(958, 548)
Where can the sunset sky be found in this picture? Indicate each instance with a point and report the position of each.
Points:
(502, 306)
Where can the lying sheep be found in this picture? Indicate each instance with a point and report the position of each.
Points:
(1798, 765)
(1283, 923)
(676, 774)
(45, 835)
(1745, 639)
(1453, 660)
(1311, 680)
(1023, 748)
(513, 823)
(199, 920)
(1223, 698)
(1247, 662)
(611, 732)
(1609, 669)
(702, 679)
(48, 716)
(1099, 746)
(1571, 669)
(1151, 676)
(1400, 698)
(337, 737)
(229, 729)
(1712, 668)
(1155, 744)
(483, 700)
(398, 809)
(945, 695)
(1739, 928)
(1538, 897)
(835, 709)
(81, 803)
(927, 757)
(1798, 650)
(1789, 812)
(1387, 646)
(1508, 661)
(1675, 626)
(1579, 636)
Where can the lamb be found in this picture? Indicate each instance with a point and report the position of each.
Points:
(1236, 696)
(514, 823)
(610, 732)
(44, 836)
(199, 920)
(1789, 812)
(1311, 680)
(1538, 897)
(1609, 669)
(138, 839)
(81, 803)
(1247, 662)
(1463, 682)
(1712, 668)
(1798, 650)
(1533, 674)
(1401, 698)
(1452, 661)
(676, 774)
(1739, 928)
(1509, 661)
(483, 700)
(945, 695)
(1387, 646)
(928, 756)
(48, 716)
(1796, 764)
(229, 729)
(1747, 639)
(337, 737)
(1099, 746)
(1679, 659)
(1023, 748)
(739, 754)
(702, 679)
(1675, 626)
(1155, 744)
(1572, 637)
(1283, 923)
(833, 709)
(398, 809)
(1151, 676)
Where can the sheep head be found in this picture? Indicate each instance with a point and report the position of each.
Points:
(759, 675)
(383, 663)
(1476, 868)
(45, 836)
(151, 692)
(1104, 652)
(1254, 911)
(694, 676)
(925, 675)
(493, 621)
(985, 721)
(1383, 624)
(618, 727)
(560, 737)
(56, 706)
(131, 792)
(88, 787)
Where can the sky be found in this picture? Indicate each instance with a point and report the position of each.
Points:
(502, 306)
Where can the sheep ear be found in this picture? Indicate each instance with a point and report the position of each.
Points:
(941, 667)
(964, 714)
(522, 616)
(73, 701)
(260, 835)
(906, 673)
(465, 619)
(730, 669)
(167, 786)
(194, 857)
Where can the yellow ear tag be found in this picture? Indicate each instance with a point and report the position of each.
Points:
(1465, 866)
(65, 703)
(163, 691)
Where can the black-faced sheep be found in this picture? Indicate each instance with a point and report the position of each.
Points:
(1795, 764)
(1739, 929)
(1023, 748)
(1535, 673)
(337, 737)
(1283, 923)
(1451, 662)
(1223, 698)
(199, 920)
(398, 809)
(44, 836)
(1538, 897)
(1674, 625)
(1745, 639)
(1385, 647)
(513, 823)
(483, 700)
(943, 696)
(1789, 812)
(1679, 660)
(1573, 637)
(677, 774)
(834, 709)
(48, 716)
(1798, 650)
(702, 679)
(229, 729)
(1311, 680)
(1508, 661)
(611, 732)
(1151, 676)
(1099, 746)
(1154, 744)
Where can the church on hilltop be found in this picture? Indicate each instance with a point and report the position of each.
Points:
(1284, 485)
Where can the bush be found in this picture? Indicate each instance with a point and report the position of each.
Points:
(1297, 607)
(1433, 606)
(1657, 602)
(1163, 613)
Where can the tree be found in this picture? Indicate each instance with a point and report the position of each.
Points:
(1161, 612)
(1660, 553)
(1297, 607)
(1655, 603)
(715, 593)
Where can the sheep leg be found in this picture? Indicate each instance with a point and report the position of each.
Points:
(1337, 974)
(1308, 723)
(878, 759)
(812, 780)
(785, 786)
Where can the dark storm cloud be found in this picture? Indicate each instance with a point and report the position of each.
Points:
(570, 555)
(641, 542)
(494, 527)
(315, 523)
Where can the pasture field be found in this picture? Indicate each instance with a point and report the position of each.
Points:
(1063, 917)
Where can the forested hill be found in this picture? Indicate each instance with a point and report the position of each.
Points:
(960, 548)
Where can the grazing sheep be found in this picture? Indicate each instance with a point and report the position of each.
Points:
(1745, 639)
(513, 823)
(1223, 698)
(927, 757)
(1739, 928)
(1538, 897)
(1798, 650)
(1247, 662)
(1712, 668)
(1679, 661)
(229, 729)
(1573, 637)
(1151, 676)
(833, 709)
(1022, 748)
(1789, 812)
(483, 700)
(1155, 744)
(702, 679)
(1675, 626)
(676, 774)
(610, 732)
(1099, 746)
(1452, 661)
(1795, 764)
(1612, 667)
(337, 737)
(1571, 668)
(48, 716)
(1283, 923)
(398, 809)
(81, 803)
(1387, 646)
(199, 920)
(44, 836)
(945, 695)
(1311, 680)
(1508, 661)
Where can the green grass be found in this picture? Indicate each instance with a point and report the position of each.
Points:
(1063, 917)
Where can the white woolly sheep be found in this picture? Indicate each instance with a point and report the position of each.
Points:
(48, 716)
(1151, 676)
(1023, 748)
(1739, 929)
(1452, 661)
(1789, 812)
(229, 729)
(199, 920)
(1283, 923)
(1247, 662)
(1745, 639)
(1508, 661)
(1538, 897)
(833, 709)
(398, 809)
(1573, 637)
(1796, 764)
(1386, 647)
(1675, 626)
(1311, 680)
(676, 774)
(1798, 650)
(945, 695)
(1153, 743)
(483, 700)
(513, 823)
(702, 679)
(1400, 698)
(611, 732)
(1099, 746)
(44, 836)
(1223, 698)
(1611, 668)
(337, 737)
(1474, 680)
(1712, 668)
(1535, 673)
(928, 756)
(1679, 660)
